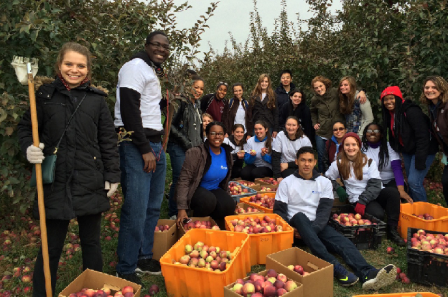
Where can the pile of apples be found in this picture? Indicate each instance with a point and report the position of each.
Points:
(203, 256)
(271, 285)
(162, 228)
(402, 277)
(271, 181)
(298, 269)
(126, 291)
(239, 210)
(350, 219)
(200, 225)
(433, 243)
(246, 183)
(237, 189)
(425, 216)
(263, 200)
(267, 189)
(251, 225)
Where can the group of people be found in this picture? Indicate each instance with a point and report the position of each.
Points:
(212, 140)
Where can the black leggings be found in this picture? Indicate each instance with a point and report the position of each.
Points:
(388, 202)
(215, 203)
(251, 172)
(288, 172)
(89, 234)
(445, 183)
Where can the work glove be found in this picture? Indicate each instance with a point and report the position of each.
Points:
(35, 154)
(111, 187)
(360, 208)
(342, 194)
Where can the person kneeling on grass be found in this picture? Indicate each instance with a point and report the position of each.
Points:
(304, 200)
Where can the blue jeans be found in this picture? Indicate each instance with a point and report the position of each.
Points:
(177, 157)
(329, 240)
(415, 176)
(321, 151)
(143, 195)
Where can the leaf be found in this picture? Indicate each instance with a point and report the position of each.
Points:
(9, 131)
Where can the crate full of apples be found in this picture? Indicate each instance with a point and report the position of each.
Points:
(365, 231)
(243, 208)
(267, 181)
(263, 201)
(268, 233)
(246, 183)
(126, 291)
(264, 284)
(427, 257)
(422, 215)
(237, 190)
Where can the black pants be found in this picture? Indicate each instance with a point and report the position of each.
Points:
(237, 167)
(445, 183)
(388, 202)
(89, 234)
(288, 172)
(215, 203)
(251, 172)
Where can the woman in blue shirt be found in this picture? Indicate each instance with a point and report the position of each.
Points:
(202, 184)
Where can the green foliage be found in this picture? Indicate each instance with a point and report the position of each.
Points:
(112, 30)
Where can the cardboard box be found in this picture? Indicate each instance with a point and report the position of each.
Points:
(182, 231)
(298, 292)
(262, 182)
(319, 283)
(163, 241)
(96, 280)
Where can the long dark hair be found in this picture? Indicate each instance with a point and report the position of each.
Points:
(383, 155)
(268, 143)
(232, 137)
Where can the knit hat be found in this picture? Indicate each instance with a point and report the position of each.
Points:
(394, 90)
(351, 134)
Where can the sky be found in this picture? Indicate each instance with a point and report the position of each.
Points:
(233, 16)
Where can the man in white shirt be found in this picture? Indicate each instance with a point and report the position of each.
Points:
(304, 200)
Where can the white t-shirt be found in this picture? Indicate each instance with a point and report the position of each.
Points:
(288, 148)
(139, 76)
(304, 195)
(353, 186)
(257, 146)
(387, 174)
(240, 117)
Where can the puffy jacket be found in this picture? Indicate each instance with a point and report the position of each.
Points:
(260, 111)
(186, 123)
(196, 164)
(87, 155)
(228, 116)
(325, 111)
(282, 96)
(439, 125)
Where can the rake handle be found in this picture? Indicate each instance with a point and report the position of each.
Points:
(40, 187)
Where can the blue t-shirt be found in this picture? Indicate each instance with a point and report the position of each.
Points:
(217, 171)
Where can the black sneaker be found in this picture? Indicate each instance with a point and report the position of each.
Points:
(344, 277)
(392, 235)
(377, 279)
(132, 277)
(148, 266)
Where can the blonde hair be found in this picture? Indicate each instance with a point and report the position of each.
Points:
(74, 47)
(269, 92)
(346, 101)
(441, 86)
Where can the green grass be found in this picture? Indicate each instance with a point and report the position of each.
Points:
(22, 253)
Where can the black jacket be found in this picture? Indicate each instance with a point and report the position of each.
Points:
(260, 111)
(186, 123)
(282, 96)
(229, 114)
(302, 112)
(87, 155)
(412, 127)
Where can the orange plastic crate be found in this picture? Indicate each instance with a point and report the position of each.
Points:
(183, 281)
(245, 206)
(265, 209)
(408, 294)
(263, 244)
(407, 220)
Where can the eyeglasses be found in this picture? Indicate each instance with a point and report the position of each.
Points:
(373, 131)
(216, 134)
(160, 46)
(338, 129)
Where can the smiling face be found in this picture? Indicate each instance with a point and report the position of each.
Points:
(73, 68)
(345, 87)
(389, 102)
(205, 121)
(431, 92)
(373, 133)
(238, 134)
(221, 92)
(296, 98)
(339, 130)
(238, 92)
(286, 79)
(215, 136)
(319, 88)
(197, 89)
(264, 84)
(260, 131)
(291, 127)
(156, 49)
(351, 148)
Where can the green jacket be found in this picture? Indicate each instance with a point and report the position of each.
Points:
(325, 111)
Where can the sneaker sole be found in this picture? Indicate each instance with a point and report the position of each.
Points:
(349, 285)
(139, 271)
(382, 279)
